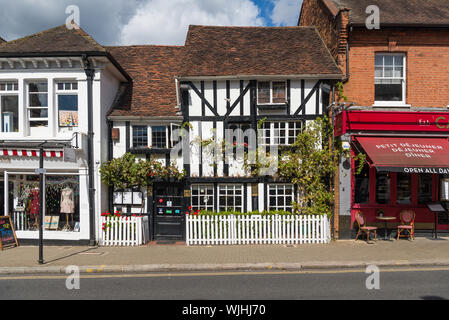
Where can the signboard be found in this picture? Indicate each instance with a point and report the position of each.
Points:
(69, 155)
(51, 222)
(7, 233)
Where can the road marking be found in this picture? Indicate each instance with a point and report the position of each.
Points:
(212, 274)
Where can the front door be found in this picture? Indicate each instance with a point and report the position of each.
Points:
(169, 215)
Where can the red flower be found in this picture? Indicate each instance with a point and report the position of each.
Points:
(190, 208)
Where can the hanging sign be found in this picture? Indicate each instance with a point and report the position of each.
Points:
(69, 155)
(7, 234)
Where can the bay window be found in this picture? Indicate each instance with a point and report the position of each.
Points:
(271, 92)
(390, 81)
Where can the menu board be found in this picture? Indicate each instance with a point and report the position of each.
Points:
(7, 233)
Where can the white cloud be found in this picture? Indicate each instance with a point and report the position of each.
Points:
(166, 21)
(286, 12)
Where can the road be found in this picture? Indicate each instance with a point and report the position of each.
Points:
(425, 283)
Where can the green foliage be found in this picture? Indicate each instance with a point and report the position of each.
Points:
(310, 165)
(127, 172)
(339, 87)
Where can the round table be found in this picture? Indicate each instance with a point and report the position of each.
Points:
(385, 219)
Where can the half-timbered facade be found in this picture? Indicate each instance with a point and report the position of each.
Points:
(235, 87)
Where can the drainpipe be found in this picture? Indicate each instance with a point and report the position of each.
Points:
(90, 73)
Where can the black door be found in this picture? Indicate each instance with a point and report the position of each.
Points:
(169, 213)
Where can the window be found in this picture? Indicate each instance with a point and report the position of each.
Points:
(67, 99)
(240, 137)
(390, 78)
(230, 197)
(159, 137)
(383, 188)
(140, 136)
(280, 197)
(279, 133)
(404, 188)
(271, 92)
(424, 188)
(9, 106)
(202, 197)
(38, 104)
(361, 192)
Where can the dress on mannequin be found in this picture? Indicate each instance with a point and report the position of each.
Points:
(67, 204)
(34, 206)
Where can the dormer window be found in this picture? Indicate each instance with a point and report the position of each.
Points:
(271, 92)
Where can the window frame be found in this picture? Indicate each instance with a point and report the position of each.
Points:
(30, 119)
(65, 92)
(284, 186)
(202, 207)
(166, 136)
(403, 79)
(132, 135)
(14, 92)
(271, 93)
(227, 188)
(272, 130)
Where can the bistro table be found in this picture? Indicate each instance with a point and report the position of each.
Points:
(386, 219)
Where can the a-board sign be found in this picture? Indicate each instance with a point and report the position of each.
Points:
(7, 234)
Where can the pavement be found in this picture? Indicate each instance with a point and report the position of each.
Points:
(341, 254)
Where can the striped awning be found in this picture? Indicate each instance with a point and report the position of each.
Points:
(31, 153)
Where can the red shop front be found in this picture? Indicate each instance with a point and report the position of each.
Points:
(407, 164)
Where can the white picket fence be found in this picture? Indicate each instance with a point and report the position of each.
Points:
(257, 229)
(124, 231)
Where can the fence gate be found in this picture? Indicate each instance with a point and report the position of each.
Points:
(168, 215)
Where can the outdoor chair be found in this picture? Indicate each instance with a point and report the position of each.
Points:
(363, 228)
(407, 224)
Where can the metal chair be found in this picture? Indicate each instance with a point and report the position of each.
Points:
(363, 228)
(407, 224)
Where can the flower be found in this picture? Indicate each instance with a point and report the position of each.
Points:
(190, 208)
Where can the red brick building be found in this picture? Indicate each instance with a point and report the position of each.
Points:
(396, 86)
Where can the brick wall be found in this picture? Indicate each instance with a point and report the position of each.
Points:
(427, 58)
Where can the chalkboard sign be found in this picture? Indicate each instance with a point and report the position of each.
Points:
(7, 233)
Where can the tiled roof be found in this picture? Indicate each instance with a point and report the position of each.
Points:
(2, 40)
(257, 51)
(55, 40)
(399, 12)
(153, 70)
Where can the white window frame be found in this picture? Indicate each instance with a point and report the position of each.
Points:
(201, 205)
(28, 108)
(67, 92)
(381, 103)
(150, 135)
(228, 188)
(273, 142)
(12, 92)
(276, 187)
(132, 135)
(271, 93)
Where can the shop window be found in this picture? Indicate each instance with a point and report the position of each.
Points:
(383, 188)
(361, 188)
(140, 136)
(404, 188)
(271, 92)
(202, 197)
(280, 197)
(159, 137)
(390, 78)
(230, 197)
(61, 202)
(67, 99)
(424, 188)
(38, 104)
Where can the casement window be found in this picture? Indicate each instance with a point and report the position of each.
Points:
(202, 197)
(240, 136)
(271, 92)
(67, 100)
(280, 197)
(175, 134)
(159, 137)
(9, 106)
(279, 133)
(390, 82)
(37, 108)
(140, 136)
(230, 197)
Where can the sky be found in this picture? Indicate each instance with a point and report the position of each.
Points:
(131, 22)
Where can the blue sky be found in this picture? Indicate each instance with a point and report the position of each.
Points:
(127, 22)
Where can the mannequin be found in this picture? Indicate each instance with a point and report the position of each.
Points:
(34, 206)
(67, 205)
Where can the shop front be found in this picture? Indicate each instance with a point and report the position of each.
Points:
(406, 165)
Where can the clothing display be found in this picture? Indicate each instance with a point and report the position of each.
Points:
(67, 201)
(34, 205)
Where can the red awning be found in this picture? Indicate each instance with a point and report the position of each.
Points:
(407, 154)
(30, 153)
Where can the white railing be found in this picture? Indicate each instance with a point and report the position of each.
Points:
(124, 231)
(256, 229)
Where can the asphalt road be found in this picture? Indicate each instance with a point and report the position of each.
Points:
(420, 284)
